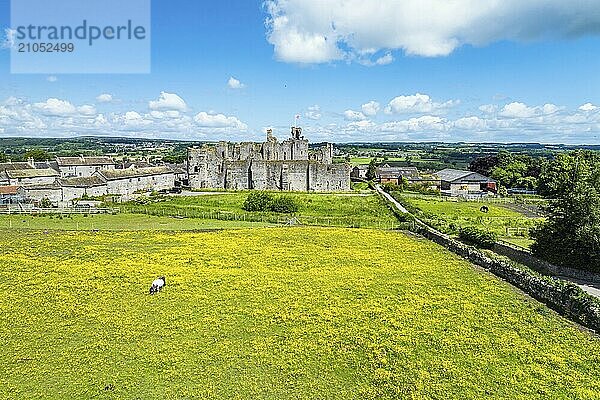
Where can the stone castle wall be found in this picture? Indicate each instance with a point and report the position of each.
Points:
(272, 165)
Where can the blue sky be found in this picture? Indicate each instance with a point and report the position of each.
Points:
(352, 73)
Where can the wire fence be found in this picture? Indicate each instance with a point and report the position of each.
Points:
(342, 222)
(479, 199)
(15, 210)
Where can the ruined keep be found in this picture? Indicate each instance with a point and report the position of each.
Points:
(272, 165)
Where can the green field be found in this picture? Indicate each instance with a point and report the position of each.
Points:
(274, 313)
(448, 216)
(343, 209)
(119, 222)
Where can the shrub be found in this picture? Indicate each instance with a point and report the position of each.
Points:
(263, 201)
(391, 187)
(258, 201)
(284, 204)
(477, 237)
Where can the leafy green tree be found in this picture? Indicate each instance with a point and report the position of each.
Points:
(510, 170)
(571, 234)
(37, 155)
(484, 165)
(372, 170)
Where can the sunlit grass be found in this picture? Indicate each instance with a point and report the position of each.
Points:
(274, 313)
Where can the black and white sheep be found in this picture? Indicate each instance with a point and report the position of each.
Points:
(157, 285)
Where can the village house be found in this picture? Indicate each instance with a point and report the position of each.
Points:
(83, 166)
(359, 171)
(76, 188)
(12, 166)
(10, 195)
(28, 177)
(38, 193)
(454, 182)
(388, 174)
(132, 180)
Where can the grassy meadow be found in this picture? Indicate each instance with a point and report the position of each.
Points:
(448, 216)
(274, 313)
(118, 222)
(341, 209)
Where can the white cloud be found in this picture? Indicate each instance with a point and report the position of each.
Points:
(52, 79)
(168, 101)
(418, 103)
(313, 112)
(56, 107)
(235, 84)
(294, 43)
(206, 120)
(521, 110)
(319, 31)
(371, 108)
(87, 110)
(470, 124)
(548, 109)
(165, 114)
(588, 107)
(104, 98)
(351, 115)
(385, 60)
(424, 123)
(517, 110)
(61, 118)
(488, 108)
(133, 119)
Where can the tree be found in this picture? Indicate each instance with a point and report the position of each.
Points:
(37, 155)
(510, 170)
(372, 170)
(571, 234)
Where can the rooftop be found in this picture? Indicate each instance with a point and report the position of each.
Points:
(31, 173)
(451, 175)
(117, 174)
(11, 166)
(8, 189)
(82, 161)
(82, 182)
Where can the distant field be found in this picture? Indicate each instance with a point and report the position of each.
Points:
(119, 222)
(350, 210)
(449, 216)
(274, 313)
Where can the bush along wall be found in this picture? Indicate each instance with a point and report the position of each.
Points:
(564, 297)
(477, 237)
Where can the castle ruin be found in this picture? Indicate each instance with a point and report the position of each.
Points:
(288, 166)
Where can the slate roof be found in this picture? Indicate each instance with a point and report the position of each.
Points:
(47, 164)
(31, 173)
(453, 175)
(82, 182)
(116, 174)
(48, 186)
(83, 161)
(397, 171)
(11, 166)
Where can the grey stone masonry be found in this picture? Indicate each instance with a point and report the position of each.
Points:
(271, 165)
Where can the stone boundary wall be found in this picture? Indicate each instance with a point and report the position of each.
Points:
(525, 257)
(564, 297)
